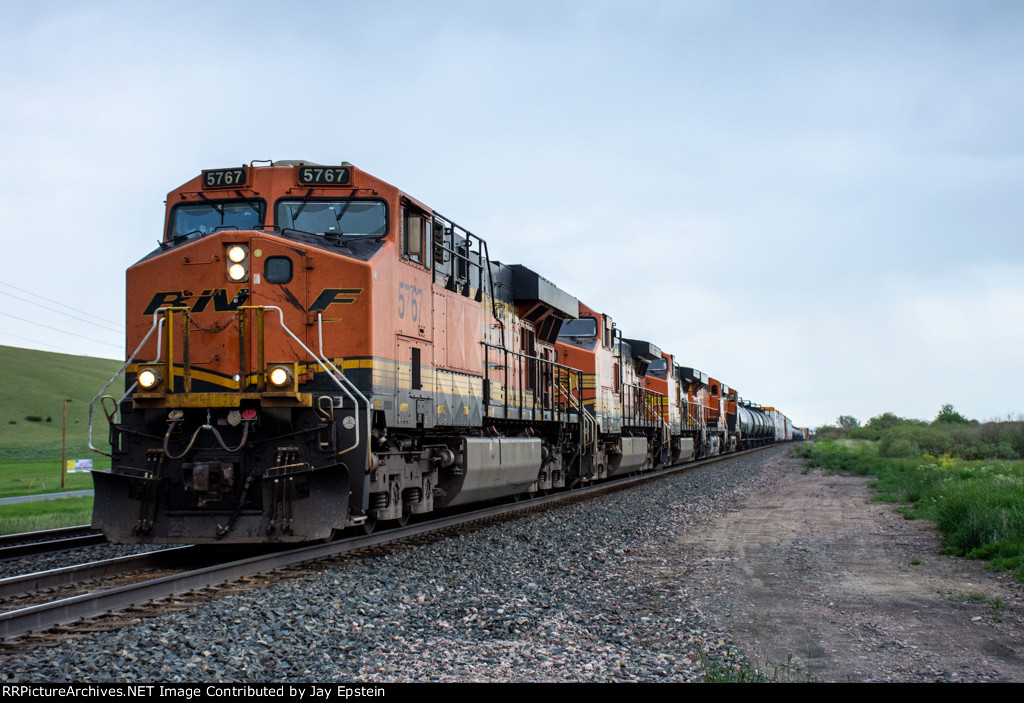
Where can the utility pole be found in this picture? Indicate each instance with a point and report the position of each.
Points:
(64, 443)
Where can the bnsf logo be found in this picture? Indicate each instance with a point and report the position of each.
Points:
(222, 303)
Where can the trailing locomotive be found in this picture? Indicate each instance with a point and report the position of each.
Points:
(311, 349)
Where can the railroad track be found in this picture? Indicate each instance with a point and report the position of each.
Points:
(61, 611)
(46, 541)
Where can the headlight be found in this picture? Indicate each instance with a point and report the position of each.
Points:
(238, 263)
(149, 378)
(280, 376)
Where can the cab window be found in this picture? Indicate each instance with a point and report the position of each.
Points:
(416, 237)
(198, 219)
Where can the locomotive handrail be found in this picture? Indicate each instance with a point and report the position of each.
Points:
(329, 368)
(366, 401)
(696, 418)
(163, 314)
(558, 372)
(542, 365)
(157, 324)
(648, 398)
(482, 263)
(638, 404)
(666, 433)
(589, 421)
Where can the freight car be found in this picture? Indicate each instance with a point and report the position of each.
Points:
(310, 350)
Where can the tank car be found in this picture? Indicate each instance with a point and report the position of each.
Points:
(310, 349)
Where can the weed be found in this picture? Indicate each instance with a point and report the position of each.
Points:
(914, 561)
(734, 667)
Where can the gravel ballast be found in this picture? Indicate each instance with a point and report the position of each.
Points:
(570, 594)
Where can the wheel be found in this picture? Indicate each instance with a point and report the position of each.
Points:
(369, 526)
(404, 520)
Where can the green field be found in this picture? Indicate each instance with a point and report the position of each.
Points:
(42, 476)
(22, 478)
(32, 388)
(45, 515)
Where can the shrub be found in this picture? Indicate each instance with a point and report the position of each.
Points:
(976, 515)
(898, 447)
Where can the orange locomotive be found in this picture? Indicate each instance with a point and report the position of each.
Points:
(310, 350)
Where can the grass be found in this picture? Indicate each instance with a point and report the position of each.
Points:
(34, 477)
(45, 515)
(22, 478)
(32, 390)
(977, 505)
(734, 667)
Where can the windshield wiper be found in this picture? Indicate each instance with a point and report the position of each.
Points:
(300, 231)
(302, 206)
(214, 205)
(186, 235)
(341, 214)
(249, 202)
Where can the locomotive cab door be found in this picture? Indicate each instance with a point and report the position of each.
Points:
(415, 399)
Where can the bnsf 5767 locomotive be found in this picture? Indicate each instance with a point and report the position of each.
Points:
(311, 349)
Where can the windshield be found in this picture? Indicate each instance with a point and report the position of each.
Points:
(365, 217)
(583, 327)
(196, 219)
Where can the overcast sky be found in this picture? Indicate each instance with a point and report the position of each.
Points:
(819, 203)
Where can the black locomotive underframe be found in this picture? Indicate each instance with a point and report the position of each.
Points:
(279, 476)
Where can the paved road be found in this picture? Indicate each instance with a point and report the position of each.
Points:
(45, 496)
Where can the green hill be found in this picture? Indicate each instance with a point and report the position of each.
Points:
(32, 386)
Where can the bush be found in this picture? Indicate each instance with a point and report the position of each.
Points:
(981, 517)
(898, 447)
(949, 433)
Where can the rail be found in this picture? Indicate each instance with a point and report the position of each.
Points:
(40, 617)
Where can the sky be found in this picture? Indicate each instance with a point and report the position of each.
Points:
(818, 203)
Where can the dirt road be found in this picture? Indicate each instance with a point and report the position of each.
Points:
(809, 567)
